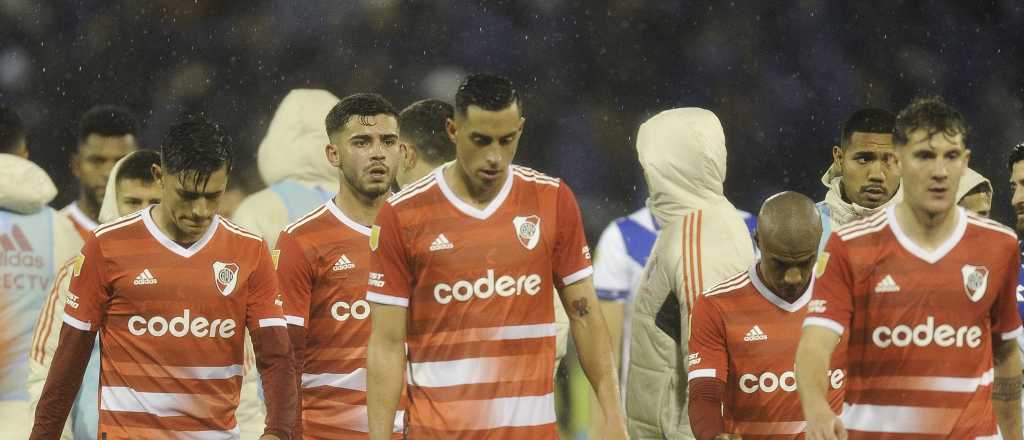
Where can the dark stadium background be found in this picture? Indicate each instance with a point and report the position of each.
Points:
(780, 77)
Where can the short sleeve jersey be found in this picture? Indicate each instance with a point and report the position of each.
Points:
(744, 335)
(478, 284)
(171, 324)
(323, 264)
(920, 324)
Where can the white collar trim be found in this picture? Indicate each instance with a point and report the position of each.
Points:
(790, 307)
(352, 224)
(171, 245)
(79, 217)
(919, 252)
(466, 208)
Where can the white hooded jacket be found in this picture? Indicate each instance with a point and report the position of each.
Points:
(969, 181)
(703, 241)
(293, 165)
(34, 241)
(836, 212)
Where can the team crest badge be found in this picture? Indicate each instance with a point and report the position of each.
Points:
(819, 267)
(527, 230)
(225, 276)
(975, 281)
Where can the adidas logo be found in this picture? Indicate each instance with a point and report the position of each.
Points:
(755, 334)
(440, 243)
(343, 264)
(15, 241)
(145, 278)
(887, 285)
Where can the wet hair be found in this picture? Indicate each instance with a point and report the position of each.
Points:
(487, 91)
(196, 149)
(930, 113)
(1016, 155)
(359, 104)
(139, 166)
(867, 120)
(423, 123)
(12, 130)
(106, 120)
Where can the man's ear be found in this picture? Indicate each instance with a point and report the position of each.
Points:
(451, 128)
(333, 155)
(158, 174)
(409, 157)
(76, 165)
(837, 157)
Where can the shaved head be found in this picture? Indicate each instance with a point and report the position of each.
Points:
(788, 233)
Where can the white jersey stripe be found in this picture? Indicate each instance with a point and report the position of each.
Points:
(104, 230)
(273, 322)
(992, 227)
(378, 298)
(899, 419)
(1013, 333)
(704, 372)
(202, 373)
(355, 380)
(578, 275)
(396, 200)
(301, 221)
(126, 399)
(295, 320)
(824, 322)
(459, 372)
(81, 325)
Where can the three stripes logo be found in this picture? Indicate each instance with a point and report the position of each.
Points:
(440, 243)
(343, 264)
(887, 285)
(15, 241)
(16, 250)
(755, 334)
(145, 278)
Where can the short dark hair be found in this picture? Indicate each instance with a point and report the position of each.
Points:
(139, 166)
(424, 124)
(867, 120)
(12, 129)
(196, 148)
(1016, 155)
(359, 104)
(487, 91)
(929, 113)
(106, 120)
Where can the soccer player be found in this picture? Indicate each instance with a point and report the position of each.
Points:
(1016, 164)
(863, 179)
(703, 241)
(169, 289)
(323, 267)
(975, 193)
(105, 135)
(924, 293)
(34, 241)
(745, 330)
(425, 144)
(291, 162)
(131, 187)
(462, 270)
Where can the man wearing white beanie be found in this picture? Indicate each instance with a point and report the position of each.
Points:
(703, 240)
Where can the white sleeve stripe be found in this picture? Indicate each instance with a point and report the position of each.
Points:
(824, 322)
(706, 372)
(1013, 333)
(295, 320)
(273, 322)
(83, 326)
(578, 275)
(380, 298)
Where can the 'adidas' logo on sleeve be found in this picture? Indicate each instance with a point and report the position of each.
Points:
(144, 278)
(343, 264)
(441, 242)
(755, 334)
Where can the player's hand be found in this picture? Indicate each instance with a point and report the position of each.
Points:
(825, 426)
(615, 429)
(727, 436)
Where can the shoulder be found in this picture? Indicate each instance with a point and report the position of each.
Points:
(415, 190)
(531, 176)
(238, 232)
(730, 287)
(121, 227)
(866, 229)
(990, 228)
(309, 222)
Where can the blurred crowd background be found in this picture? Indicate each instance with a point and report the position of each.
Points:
(781, 77)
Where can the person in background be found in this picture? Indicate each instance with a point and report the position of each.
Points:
(1016, 165)
(424, 142)
(105, 135)
(975, 193)
(34, 241)
(704, 239)
(292, 164)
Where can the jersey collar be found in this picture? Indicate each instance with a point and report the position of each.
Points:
(466, 208)
(919, 252)
(791, 307)
(171, 245)
(340, 215)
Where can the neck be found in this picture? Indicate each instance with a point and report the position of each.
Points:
(165, 223)
(86, 205)
(790, 298)
(925, 228)
(421, 169)
(461, 185)
(358, 206)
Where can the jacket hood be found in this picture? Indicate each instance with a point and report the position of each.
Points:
(969, 181)
(842, 211)
(25, 188)
(683, 155)
(294, 145)
(108, 209)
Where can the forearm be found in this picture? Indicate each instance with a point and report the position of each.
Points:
(297, 334)
(277, 372)
(614, 316)
(385, 376)
(705, 407)
(62, 383)
(1006, 390)
(590, 332)
(812, 377)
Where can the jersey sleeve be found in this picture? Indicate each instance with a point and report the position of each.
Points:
(390, 278)
(707, 346)
(571, 255)
(263, 307)
(86, 303)
(295, 275)
(1006, 321)
(612, 266)
(831, 306)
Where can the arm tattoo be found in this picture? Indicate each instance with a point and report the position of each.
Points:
(581, 307)
(1006, 389)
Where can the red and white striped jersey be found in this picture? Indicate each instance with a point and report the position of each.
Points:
(170, 321)
(920, 324)
(478, 284)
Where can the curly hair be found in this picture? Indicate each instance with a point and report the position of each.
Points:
(930, 113)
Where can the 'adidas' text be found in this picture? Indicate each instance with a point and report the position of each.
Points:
(343, 264)
(144, 278)
(441, 242)
(755, 334)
